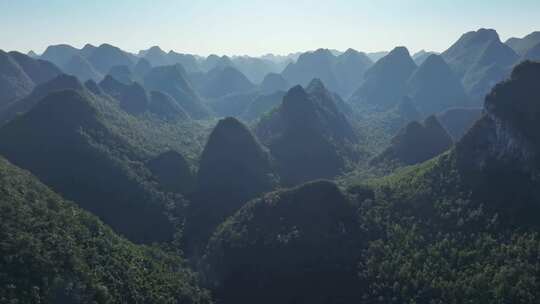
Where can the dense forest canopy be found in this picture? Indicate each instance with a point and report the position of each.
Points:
(316, 177)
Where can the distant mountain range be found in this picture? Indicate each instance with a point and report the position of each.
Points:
(315, 177)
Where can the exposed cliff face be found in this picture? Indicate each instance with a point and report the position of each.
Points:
(508, 131)
(494, 140)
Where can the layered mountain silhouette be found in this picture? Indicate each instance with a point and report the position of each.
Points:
(19, 74)
(32, 54)
(164, 106)
(60, 82)
(274, 82)
(140, 69)
(416, 143)
(532, 53)
(14, 82)
(171, 80)
(340, 74)
(68, 141)
(434, 87)
(287, 246)
(234, 104)
(188, 61)
(80, 67)
(255, 68)
(350, 68)
(375, 56)
(104, 57)
(481, 60)
(157, 57)
(308, 135)
(261, 104)
(523, 45)
(214, 61)
(458, 121)
(59, 54)
(135, 99)
(317, 64)
(90, 62)
(385, 82)
(420, 56)
(122, 73)
(219, 82)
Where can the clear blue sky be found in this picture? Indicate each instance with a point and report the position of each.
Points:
(258, 26)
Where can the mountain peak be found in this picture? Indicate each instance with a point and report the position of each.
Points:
(273, 82)
(385, 81)
(434, 87)
(155, 48)
(172, 80)
(233, 169)
(400, 51)
(316, 85)
(487, 34)
(233, 165)
(434, 59)
(416, 143)
(121, 73)
(68, 107)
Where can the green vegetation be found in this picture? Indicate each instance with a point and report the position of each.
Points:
(94, 154)
(308, 135)
(54, 252)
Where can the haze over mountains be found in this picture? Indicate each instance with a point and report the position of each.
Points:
(316, 177)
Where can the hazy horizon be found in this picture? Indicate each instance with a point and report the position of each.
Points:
(210, 27)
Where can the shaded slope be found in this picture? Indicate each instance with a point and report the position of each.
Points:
(25, 104)
(459, 120)
(523, 45)
(59, 54)
(122, 73)
(350, 68)
(233, 168)
(385, 82)
(82, 157)
(223, 81)
(14, 82)
(171, 80)
(434, 87)
(316, 64)
(288, 246)
(308, 135)
(416, 143)
(104, 57)
(54, 252)
(19, 74)
(173, 172)
(481, 60)
(273, 82)
(80, 67)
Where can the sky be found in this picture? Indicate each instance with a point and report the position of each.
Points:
(256, 27)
